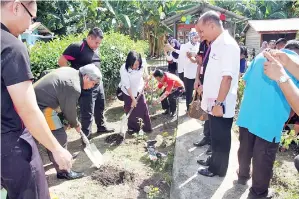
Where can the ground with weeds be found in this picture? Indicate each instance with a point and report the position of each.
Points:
(127, 172)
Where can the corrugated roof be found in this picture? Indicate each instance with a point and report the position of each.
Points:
(40, 27)
(275, 25)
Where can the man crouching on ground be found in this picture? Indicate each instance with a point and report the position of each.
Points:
(59, 91)
(174, 87)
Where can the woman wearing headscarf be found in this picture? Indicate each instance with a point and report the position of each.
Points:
(175, 45)
(172, 57)
(187, 54)
(132, 83)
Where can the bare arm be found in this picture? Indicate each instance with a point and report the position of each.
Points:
(224, 88)
(28, 110)
(293, 67)
(291, 93)
(62, 61)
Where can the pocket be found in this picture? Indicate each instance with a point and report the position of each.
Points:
(34, 158)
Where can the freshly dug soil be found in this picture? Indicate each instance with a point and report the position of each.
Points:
(109, 175)
(114, 139)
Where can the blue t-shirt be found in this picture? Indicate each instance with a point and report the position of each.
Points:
(264, 108)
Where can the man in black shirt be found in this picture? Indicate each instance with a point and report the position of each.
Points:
(203, 59)
(22, 172)
(92, 102)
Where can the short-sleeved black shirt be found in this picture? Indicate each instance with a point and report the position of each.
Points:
(15, 68)
(80, 54)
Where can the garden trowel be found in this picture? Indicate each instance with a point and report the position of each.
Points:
(92, 152)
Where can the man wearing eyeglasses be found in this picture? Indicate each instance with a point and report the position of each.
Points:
(22, 173)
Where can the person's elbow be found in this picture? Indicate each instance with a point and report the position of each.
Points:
(227, 78)
(62, 61)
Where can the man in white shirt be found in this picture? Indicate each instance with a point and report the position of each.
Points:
(219, 90)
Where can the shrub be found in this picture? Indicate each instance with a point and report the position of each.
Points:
(113, 52)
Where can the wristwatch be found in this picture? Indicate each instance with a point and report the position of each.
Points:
(283, 79)
(218, 103)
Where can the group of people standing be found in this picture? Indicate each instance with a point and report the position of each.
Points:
(265, 107)
(30, 110)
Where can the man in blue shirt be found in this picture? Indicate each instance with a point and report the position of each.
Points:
(262, 115)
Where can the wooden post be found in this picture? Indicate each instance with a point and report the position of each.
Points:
(175, 34)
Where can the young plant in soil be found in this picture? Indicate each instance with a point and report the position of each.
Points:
(140, 136)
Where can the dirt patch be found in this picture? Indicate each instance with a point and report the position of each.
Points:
(114, 139)
(109, 175)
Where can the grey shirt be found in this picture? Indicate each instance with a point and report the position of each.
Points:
(60, 90)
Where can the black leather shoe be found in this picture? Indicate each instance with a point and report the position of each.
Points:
(206, 172)
(166, 112)
(173, 114)
(203, 142)
(70, 175)
(271, 194)
(209, 151)
(105, 129)
(204, 162)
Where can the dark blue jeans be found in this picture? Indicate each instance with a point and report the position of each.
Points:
(92, 103)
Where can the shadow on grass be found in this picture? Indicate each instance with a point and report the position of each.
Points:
(114, 114)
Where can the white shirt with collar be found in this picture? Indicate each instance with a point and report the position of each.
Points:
(224, 60)
(131, 79)
(184, 63)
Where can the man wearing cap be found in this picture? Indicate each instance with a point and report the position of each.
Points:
(58, 92)
(92, 102)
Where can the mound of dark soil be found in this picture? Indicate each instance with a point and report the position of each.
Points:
(114, 139)
(109, 175)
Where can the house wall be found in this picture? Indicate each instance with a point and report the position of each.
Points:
(253, 40)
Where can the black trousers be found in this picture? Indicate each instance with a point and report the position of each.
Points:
(61, 137)
(172, 67)
(181, 76)
(206, 130)
(170, 101)
(22, 171)
(221, 142)
(263, 154)
(189, 87)
(92, 103)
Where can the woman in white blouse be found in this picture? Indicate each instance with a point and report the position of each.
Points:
(132, 84)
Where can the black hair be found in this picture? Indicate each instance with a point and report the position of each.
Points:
(292, 45)
(132, 57)
(281, 40)
(243, 51)
(158, 73)
(96, 32)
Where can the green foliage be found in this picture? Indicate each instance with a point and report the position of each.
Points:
(288, 138)
(113, 52)
(154, 193)
(240, 93)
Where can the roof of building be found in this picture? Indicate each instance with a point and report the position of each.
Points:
(202, 7)
(40, 27)
(273, 25)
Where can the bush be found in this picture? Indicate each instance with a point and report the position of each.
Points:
(113, 52)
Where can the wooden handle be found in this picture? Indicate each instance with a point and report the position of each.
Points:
(84, 138)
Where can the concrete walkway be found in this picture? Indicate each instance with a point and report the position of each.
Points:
(186, 183)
